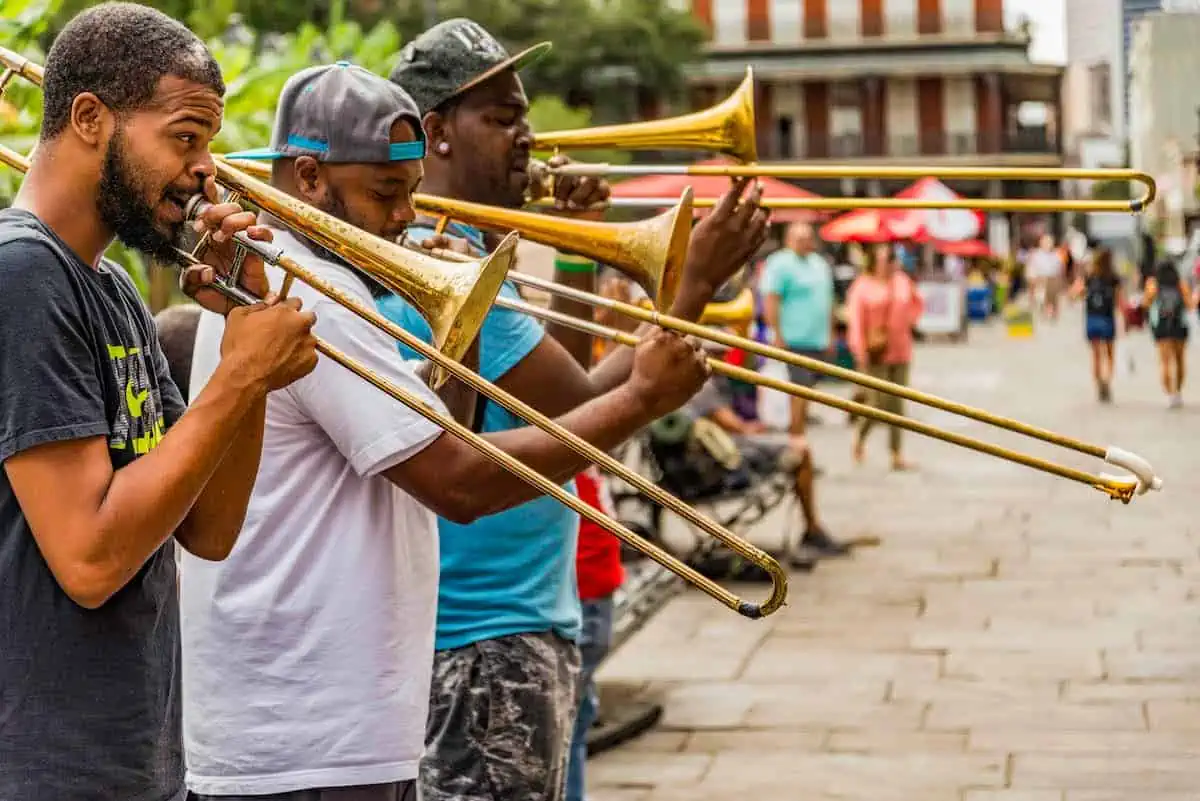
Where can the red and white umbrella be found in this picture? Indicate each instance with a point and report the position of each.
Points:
(946, 225)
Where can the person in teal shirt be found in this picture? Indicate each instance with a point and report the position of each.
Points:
(797, 291)
(506, 670)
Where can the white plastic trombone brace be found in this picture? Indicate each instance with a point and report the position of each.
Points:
(1141, 469)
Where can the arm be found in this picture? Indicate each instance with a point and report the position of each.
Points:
(460, 484)
(378, 436)
(96, 524)
(1151, 290)
(720, 245)
(855, 311)
(917, 305)
(100, 525)
(729, 420)
(577, 273)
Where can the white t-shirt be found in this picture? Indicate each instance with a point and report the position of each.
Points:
(1044, 264)
(307, 654)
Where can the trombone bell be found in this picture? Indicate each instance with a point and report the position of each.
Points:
(652, 252)
(727, 127)
(453, 297)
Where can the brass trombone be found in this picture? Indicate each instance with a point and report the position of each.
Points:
(728, 128)
(369, 254)
(1117, 487)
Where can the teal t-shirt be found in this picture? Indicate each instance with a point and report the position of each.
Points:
(804, 285)
(511, 572)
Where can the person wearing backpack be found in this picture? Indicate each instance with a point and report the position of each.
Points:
(1168, 300)
(1101, 291)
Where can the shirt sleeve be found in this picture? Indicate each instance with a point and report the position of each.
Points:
(507, 336)
(772, 277)
(369, 427)
(49, 387)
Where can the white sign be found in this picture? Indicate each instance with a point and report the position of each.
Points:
(944, 305)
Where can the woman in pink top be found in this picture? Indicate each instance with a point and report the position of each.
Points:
(882, 306)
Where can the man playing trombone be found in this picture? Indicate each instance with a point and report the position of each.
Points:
(310, 650)
(104, 469)
(509, 612)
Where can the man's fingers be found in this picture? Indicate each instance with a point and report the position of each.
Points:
(260, 233)
(230, 225)
(730, 199)
(195, 278)
(210, 217)
(210, 189)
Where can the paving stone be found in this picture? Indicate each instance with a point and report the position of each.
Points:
(890, 741)
(975, 691)
(1013, 795)
(1109, 691)
(1026, 740)
(1153, 666)
(1044, 664)
(782, 659)
(791, 741)
(1174, 714)
(630, 769)
(1032, 717)
(1110, 772)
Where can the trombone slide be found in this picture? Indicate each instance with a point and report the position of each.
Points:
(274, 255)
(830, 171)
(1119, 486)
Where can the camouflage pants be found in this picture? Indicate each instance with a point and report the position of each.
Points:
(501, 714)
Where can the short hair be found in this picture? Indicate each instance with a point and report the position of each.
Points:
(119, 52)
(176, 326)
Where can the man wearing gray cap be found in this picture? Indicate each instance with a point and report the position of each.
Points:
(507, 666)
(309, 651)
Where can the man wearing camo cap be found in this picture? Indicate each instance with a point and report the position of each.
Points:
(507, 667)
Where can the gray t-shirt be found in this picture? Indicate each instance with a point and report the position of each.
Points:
(89, 699)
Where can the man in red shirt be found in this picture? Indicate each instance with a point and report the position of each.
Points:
(599, 572)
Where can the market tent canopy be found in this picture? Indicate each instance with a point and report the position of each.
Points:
(868, 225)
(712, 187)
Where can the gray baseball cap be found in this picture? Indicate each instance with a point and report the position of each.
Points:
(452, 57)
(341, 113)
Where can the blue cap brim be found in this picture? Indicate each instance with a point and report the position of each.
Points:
(397, 151)
(257, 154)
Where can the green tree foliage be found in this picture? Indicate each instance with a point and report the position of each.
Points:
(648, 40)
(269, 41)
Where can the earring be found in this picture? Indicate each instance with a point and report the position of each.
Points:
(443, 148)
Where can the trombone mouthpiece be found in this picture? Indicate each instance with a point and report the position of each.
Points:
(195, 207)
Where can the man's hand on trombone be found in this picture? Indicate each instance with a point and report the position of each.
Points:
(721, 244)
(572, 193)
(270, 341)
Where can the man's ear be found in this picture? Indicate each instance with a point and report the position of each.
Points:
(437, 134)
(310, 179)
(91, 120)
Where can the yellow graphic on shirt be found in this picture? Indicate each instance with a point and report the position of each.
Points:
(139, 423)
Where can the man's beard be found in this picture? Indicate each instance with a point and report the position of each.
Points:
(123, 207)
(335, 206)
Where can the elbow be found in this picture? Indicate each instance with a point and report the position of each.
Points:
(88, 585)
(461, 501)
